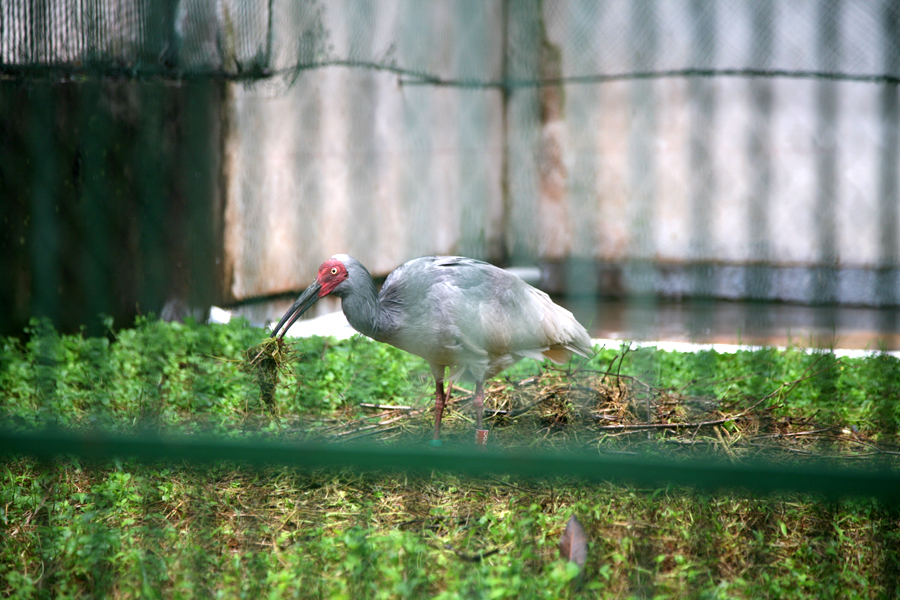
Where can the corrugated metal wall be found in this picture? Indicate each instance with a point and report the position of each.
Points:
(370, 161)
(733, 149)
(729, 149)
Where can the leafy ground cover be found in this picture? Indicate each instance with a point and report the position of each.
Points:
(74, 529)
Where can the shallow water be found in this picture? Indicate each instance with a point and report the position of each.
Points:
(696, 321)
(753, 323)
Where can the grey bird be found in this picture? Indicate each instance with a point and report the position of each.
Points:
(458, 313)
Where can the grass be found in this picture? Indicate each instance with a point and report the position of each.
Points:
(123, 529)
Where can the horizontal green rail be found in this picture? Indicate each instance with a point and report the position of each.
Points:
(826, 478)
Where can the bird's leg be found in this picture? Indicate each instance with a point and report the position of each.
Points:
(480, 434)
(479, 404)
(439, 398)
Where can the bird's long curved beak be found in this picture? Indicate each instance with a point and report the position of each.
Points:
(306, 299)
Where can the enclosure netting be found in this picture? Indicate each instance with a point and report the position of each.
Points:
(162, 156)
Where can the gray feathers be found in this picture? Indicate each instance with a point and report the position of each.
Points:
(460, 313)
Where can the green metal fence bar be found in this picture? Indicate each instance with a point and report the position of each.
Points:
(820, 477)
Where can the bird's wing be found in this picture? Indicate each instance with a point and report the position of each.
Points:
(421, 306)
(526, 322)
(498, 313)
(463, 312)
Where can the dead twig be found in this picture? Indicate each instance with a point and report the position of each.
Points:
(477, 557)
(384, 406)
(640, 426)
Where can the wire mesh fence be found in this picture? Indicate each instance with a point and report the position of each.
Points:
(732, 150)
(161, 157)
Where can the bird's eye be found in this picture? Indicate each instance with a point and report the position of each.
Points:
(334, 270)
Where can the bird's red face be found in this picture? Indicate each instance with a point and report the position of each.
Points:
(331, 273)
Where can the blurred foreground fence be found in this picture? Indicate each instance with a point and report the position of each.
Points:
(828, 479)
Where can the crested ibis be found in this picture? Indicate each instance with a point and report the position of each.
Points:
(461, 313)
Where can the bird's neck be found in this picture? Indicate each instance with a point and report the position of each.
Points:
(361, 309)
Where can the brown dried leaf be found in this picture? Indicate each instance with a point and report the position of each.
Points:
(573, 543)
